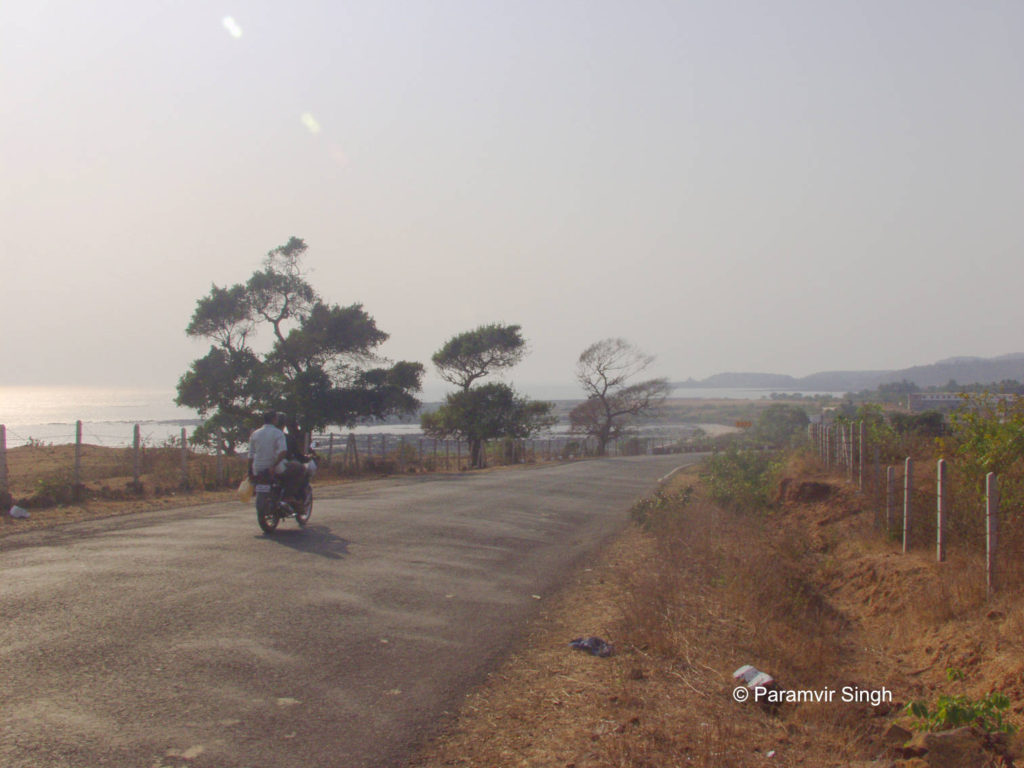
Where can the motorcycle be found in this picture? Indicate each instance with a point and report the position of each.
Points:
(272, 506)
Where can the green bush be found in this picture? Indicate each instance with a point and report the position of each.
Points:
(741, 479)
(956, 711)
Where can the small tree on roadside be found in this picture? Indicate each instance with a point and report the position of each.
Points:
(604, 370)
(480, 413)
(484, 413)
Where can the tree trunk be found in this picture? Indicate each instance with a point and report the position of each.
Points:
(476, 454)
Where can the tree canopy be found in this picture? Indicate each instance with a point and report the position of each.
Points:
(322, 367)
(780, 423)
(471, 355)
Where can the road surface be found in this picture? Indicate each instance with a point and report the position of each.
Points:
(187, 637)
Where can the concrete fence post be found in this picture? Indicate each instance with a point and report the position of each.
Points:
(940, 521)
(849, 453)
(136, 455)
(890, 498)
(876, 476)
(352, 453)
(78, 458)
(908, 488)
(991, 532)
(184, 459)
(220, 457)
(4, 479)
(860, 458)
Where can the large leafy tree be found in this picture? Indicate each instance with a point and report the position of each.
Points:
(322, 366)
(489, 411)
(605, 370)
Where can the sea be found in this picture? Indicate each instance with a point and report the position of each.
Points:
(49, 414)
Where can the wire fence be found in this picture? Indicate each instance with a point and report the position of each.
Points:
(923, 502)
(86, 467)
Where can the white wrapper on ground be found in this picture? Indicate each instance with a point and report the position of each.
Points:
(17, 511)
(753, 677)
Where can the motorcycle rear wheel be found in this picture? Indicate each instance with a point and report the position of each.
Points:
(266, 516)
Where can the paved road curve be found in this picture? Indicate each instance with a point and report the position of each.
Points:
(186, 637)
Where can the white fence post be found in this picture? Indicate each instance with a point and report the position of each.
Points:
(890, 498)
(908, 487)
(991, 531)
(860, 457)
(940, 522)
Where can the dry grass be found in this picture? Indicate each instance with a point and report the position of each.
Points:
(683, 618)
(41, 479)
(811, 593)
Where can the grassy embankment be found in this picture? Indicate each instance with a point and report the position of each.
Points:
(800, 585)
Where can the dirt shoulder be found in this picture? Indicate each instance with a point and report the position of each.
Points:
(810, 595)
(41, 482)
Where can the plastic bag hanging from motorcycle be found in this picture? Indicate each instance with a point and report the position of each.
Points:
(245, 491)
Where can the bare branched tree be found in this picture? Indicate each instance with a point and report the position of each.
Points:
(604, 370)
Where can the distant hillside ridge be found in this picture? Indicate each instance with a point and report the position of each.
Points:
(962, 370)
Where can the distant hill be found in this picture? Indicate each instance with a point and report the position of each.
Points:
(963, 370)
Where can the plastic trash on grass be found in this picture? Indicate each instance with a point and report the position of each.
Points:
(592, 645)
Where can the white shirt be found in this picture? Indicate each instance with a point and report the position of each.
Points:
(265, 445)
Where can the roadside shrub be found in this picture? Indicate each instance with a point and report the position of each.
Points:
(741, 479)
(955, 711)
(651, 511)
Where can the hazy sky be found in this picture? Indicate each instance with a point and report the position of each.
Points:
(772, 186)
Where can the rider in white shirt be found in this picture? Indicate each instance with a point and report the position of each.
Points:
(267, 447)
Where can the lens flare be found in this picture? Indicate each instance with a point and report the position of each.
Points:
(310, 122)
(232, 27)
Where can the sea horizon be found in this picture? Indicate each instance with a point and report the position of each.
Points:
(48, 414)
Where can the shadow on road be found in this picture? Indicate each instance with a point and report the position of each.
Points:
(313, 539)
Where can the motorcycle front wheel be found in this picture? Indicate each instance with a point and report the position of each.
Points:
(302, 514)
(266, 515)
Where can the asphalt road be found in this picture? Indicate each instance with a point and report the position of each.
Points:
(187, 637)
